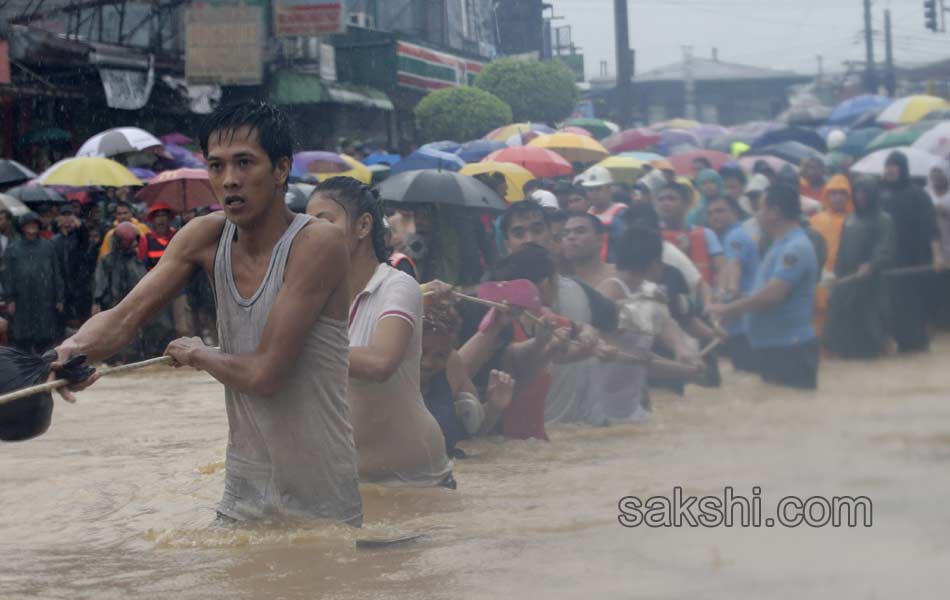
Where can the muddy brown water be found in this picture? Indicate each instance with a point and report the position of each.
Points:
(115, 501)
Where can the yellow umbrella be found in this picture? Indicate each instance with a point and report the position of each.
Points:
(573, 147)
(506, 131)
(515, 176)
(359, 171)
(676, 124)
(624, 168)
(911, 109)
(87, 172)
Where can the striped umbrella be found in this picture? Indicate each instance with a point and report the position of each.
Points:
(911, 109)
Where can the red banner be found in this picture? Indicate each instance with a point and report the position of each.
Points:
(306, 18)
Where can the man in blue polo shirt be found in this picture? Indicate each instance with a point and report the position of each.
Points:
(738, 278)
(782, 302)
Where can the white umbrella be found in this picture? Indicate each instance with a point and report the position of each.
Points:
(920, 161)
(15, 206)
(936, 141)
(120, 140)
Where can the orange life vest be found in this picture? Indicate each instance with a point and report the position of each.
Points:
(397, 257)
(155, 246)
(693, 245)
(607, 218)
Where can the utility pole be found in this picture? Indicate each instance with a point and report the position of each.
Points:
(689, 83)
(870, 76)
(890, 81)
(623, 91)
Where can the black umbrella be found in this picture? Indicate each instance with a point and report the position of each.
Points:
(793, 152)
(444, 188)
(36, 194)
(297, 196)
(13, 172)
(802, 135)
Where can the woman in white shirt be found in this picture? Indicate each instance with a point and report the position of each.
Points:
(398, 439)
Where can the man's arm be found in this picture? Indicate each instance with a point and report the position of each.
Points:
(315, 270)
(772, 294)
(109, 331)
(378, 361)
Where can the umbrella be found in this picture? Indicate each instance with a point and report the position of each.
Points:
(625, 168)
(673, 138)
(316, 161)
(119, 140)
(443, 146)
(793, 152)
(86, 172)
(631, 139)
(16, 207)
(503, 133)
(902, 136)
(706, 133)
(13, 172)
(381, 158)
(575, 130)
(936, 140)
(646, 157)
(941, 114)
(515, 176)
(380, 171)
(540, 161)
(858, 139)
(911, 109)
(675, 124)
(143, 174)
(807, 114)
(42, 136)
(443, 188)
(182, 189)
(476, 150)
(597, 127)
(183, 157)
(297, 196)
(357, 171)
(36, 194)
(921, 162)
(573, 147)
(802, 135)
(777, 164)
(853, 108)
(683, 163)
(425, 158)
(179, 139)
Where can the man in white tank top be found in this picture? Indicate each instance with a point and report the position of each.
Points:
(282, 299)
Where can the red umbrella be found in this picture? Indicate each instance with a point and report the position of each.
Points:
(181, 189)
(631, 140)
(540, 161)
(683, 163)
(576, 130)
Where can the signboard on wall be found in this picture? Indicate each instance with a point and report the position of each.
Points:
(306, 18)
(426, 69)
(224, 43)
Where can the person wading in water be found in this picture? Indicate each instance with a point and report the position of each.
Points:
(281, 292)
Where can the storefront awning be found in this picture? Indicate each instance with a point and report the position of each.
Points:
(288, 87)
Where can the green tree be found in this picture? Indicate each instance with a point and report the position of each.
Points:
(461, 114)
(535, 91)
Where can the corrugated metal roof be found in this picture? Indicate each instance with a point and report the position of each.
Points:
(705, 69)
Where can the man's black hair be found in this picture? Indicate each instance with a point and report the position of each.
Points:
(730, 201)
(595, 223)
(520, 210)
(642, 215)
(786, 199)
(621, 197)
(681, 190)
(639, 248)
(126, 204)
(273, 127)
(563, 187)
(533, 184)
(531, 262)
(556, 216)
(728, 171)
(358, 199)
(703, 161)
(7, 214)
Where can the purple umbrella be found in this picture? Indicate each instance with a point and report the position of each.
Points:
(183, 157)
(673, 138)
(179, 139)
(708, 132)
(143, 174)
(316, 161)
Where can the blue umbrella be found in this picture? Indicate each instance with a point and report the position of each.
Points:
(476, 150)
(426, 158)
(381, 158)
(850, 110)
(802, 135)
(443, 146)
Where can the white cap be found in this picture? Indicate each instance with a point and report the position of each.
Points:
(757, 183)
(836, 138)
(545, 198)
(596, 176)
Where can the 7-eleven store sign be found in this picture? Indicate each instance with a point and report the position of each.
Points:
(425, 69)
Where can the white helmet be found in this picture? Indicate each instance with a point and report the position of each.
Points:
(835, 138)
(596, 176)
(545, 198)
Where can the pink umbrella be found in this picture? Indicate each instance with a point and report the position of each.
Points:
(683, 163)
(631, 140)
(540, 161)
(182, 189)
(576, 131)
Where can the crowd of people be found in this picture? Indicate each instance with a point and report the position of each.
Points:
(567, 308)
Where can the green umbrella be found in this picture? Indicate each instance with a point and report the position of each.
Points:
(597, 127)
(902, 136)
(858, 140)
(42, 136)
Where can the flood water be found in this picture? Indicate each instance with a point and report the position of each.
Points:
(115, 501)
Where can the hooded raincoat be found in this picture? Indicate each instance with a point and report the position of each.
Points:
(829, 224)
(697, 216)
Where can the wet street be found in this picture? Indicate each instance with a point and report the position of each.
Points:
(115, 501)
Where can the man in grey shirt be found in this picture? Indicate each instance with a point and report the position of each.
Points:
(281, 291)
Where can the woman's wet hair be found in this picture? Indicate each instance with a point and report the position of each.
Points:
(273, 127)
(358, 199)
